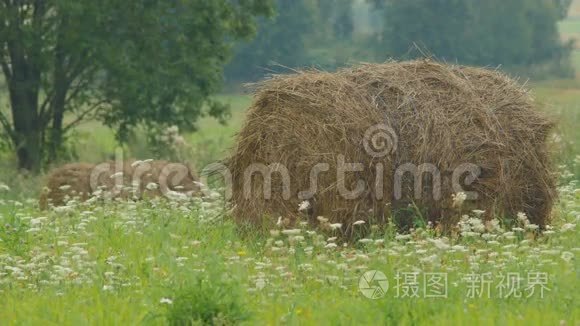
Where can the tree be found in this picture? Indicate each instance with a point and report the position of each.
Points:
(438, 26)
(280, 40)
(337, 16)
(562, 6)
(512, 33)
(153, 62)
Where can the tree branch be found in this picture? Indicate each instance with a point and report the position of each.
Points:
(44, 105)
(82, 116)
(7, 127)
(5, 69)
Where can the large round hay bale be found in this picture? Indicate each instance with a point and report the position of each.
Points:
(129, 179)
(447, 126)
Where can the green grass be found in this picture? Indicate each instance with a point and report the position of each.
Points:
(171, 263)
(570, 26)
(95, 142)
(167, 264)
(575, 58)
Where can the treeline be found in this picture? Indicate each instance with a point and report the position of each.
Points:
(519, 35)
(159, 63)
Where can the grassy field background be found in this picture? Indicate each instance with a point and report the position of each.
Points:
(171, 263)
(178, 262)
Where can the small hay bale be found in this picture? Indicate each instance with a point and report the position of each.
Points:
(397, 124)
(127, 180)
(166, 176)
(65, 183)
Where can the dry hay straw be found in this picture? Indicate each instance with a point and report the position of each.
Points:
(67, 182)
(443, 115)
(128, 180)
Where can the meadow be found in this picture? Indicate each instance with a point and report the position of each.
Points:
(165, 262)
(181, 262)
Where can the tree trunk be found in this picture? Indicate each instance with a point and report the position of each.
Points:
(24, 86)
(27, 129)
(57, 108)
(61, 86)
(56, 137)
(22, 54)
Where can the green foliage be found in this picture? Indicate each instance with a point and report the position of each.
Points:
(158, 263)
(511, 33)
(563, 6)
(207, 302)
(175, 65)
(136, 263)
(281, 41)
(125, 63)
(335, 18)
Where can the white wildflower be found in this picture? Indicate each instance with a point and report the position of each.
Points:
(532, 227)
(459, 248)
(335, 226)
(152, 186)
(260, 283)
(359, 222)
(291, 231)
(297, 238)
(523, 218)
(166, 301)
(402, 237)
(494, 225)
(567, 256)
(440, 244)
(176, 196)
(568, 227)
(117, 175)
(322, 219)
(304, 206)
(330, 245)
(274, 233)
(458, 199)
(38, 220)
